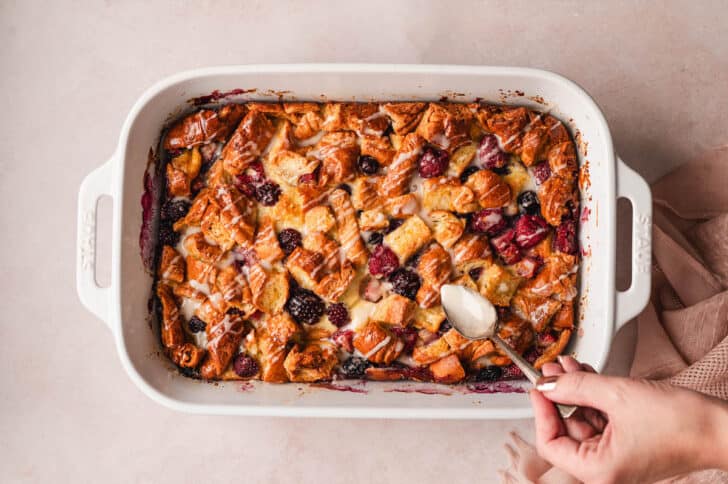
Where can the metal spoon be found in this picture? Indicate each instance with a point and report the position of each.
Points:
(475, 318)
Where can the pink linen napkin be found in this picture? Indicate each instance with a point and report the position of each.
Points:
(682, 335)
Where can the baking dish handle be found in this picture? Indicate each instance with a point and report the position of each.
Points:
(633, 187)
(94, 186)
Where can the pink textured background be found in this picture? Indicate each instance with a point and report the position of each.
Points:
(71, 71)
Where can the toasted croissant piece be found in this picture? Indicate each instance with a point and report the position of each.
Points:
(408, 238)
(238, 214)
(447, 370)
(187, 356)
(338, 152)
(395, 310)
(490, 189)
(448, 194)
(556, 196)
(171, 324)
(553, 350)
(378, 147)
(223, 339)
(171, 265)
(377, 344)
(403, 166)
(313, 362)
(249, 140)
(434, 268)
(203, 126)
(348, 228)
(404, 116)
(445, 126)
(266, 244)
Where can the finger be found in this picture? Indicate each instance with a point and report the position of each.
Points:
(581, 388)
(551, 368)
(595, 419)
(578, 428)
(569, 363)
(548, 422)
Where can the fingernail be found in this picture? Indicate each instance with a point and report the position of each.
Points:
(546, 383)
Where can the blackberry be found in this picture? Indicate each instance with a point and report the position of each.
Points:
(503, 170)
(167, 235)
(489, 373)
(289, 240)
(355, 367)
(305, 306)
(267, 193)
(475, 273)
(528, 203)
(393, 224)
(368, 165)
(405, 283)
(376, 238)
(345, 187)
(174, 210)
(245, 366)
(338, 314)
(196, 324)
(445, 326)
(468, 171)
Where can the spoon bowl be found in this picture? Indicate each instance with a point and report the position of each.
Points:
(474, 317)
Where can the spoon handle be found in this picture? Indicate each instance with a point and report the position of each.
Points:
(531, 373)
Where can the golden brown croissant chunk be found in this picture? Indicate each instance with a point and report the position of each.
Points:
(203, 126)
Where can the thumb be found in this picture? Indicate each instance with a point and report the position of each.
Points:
(581, 388)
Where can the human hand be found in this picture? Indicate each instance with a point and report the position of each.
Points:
(627, 430)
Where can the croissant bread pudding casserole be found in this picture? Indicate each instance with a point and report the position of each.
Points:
(307, 242)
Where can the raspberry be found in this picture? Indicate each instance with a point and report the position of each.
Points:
(490, 154)
(383, 261)
(433, 162)
(245, 366)
(545, 339)
(289, 239)
(528, 203)
(267, 193)
(376, 238)
(511, 372)
(541, 172)
(532, 354)
(344, 339)
(338, 314)
(355, 367)
(196, 324)
(256, 172)
(174, 210)
(489, 221)
(305, 306)
(468, 171)
(405, 283)
(368, 165)
(505, 247)
(530, 230)
(565, 240)
(489, 373)
(408, 336)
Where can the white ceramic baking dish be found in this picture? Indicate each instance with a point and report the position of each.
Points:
(123, 305)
